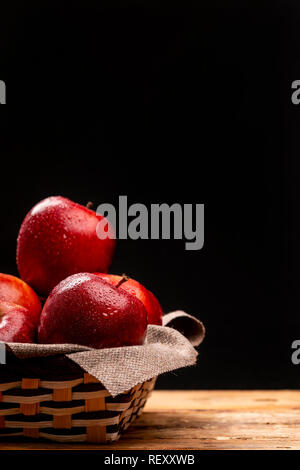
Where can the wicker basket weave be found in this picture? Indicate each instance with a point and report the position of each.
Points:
(74, 408)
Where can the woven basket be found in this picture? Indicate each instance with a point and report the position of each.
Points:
(54, 399)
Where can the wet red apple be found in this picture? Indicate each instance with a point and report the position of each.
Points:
(86, 310)
(15, 324)
(152, 305)
(57, 239)
(13, 289)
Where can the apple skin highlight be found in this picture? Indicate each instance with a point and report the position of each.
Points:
(86, 310)
(57, 239)
(14, 290)
(152, 305)
(16, 325)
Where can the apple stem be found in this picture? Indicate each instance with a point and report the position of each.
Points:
(124, 279)
(89, 205)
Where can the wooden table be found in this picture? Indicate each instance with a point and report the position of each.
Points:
(206, 419)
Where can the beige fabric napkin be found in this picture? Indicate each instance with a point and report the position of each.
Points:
(166, 348)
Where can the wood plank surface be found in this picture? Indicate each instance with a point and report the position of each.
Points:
(205, 419)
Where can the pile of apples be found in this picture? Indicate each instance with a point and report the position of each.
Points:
(64, 294)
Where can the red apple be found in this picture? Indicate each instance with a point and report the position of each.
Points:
(15, 324)
(58, 238)
(13, 289)
(152, 305)
(84, 309)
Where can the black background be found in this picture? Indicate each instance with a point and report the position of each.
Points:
(185, 102)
